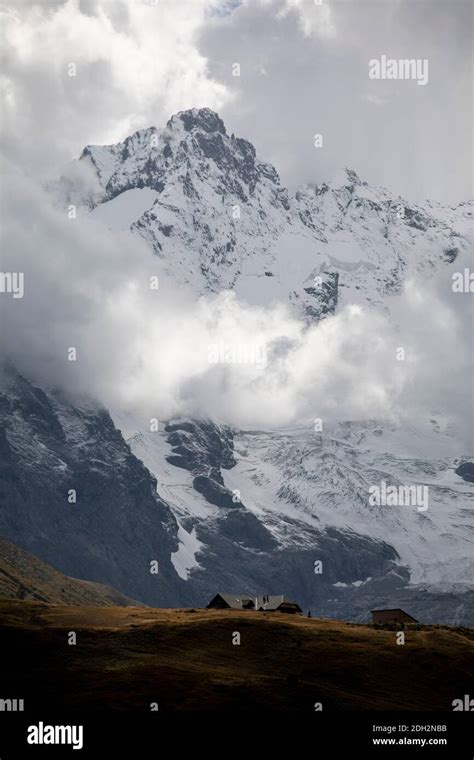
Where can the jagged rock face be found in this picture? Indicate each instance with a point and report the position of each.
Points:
(118, 523)
(318, 301)
(193, 146)
(466, 471)
(213, 196)
(264, 506)
(201, 446)
(243, 547)
(219, 218)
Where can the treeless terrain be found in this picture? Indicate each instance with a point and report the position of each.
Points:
(129, 657)
(24, 576)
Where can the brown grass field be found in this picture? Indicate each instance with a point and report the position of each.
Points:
(129, 657)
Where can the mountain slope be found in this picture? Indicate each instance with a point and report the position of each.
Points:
(128, 659)
(54, 450)
(258, 509)
(23, 576)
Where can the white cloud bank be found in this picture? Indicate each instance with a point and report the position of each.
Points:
(135, 63)
(304, 70)
(149, 350)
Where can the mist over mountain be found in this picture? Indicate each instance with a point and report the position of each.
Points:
(287, 346)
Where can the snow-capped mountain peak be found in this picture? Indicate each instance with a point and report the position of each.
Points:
(218, 217)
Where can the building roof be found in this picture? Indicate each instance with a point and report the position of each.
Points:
(395, 609)
(236, 601)
(272, 602)
(390, 609)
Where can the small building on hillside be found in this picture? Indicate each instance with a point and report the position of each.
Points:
(231, 602)
(392, 616)
(267, 603)
(277, 603)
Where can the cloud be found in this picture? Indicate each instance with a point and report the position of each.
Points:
(154, 351)
(375, 99)
(315, 18)
(316, 59)
(303, 71)
(91, 71)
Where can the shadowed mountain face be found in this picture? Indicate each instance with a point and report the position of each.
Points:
(127, 659)
(74, 495)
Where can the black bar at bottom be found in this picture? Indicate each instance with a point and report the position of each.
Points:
(377, 734)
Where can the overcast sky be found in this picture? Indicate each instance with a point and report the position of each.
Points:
(303, 70)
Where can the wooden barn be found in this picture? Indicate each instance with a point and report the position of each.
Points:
(266, 603)
(392, 616)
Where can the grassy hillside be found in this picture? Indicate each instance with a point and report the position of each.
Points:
(126, 658)
(23, 576)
